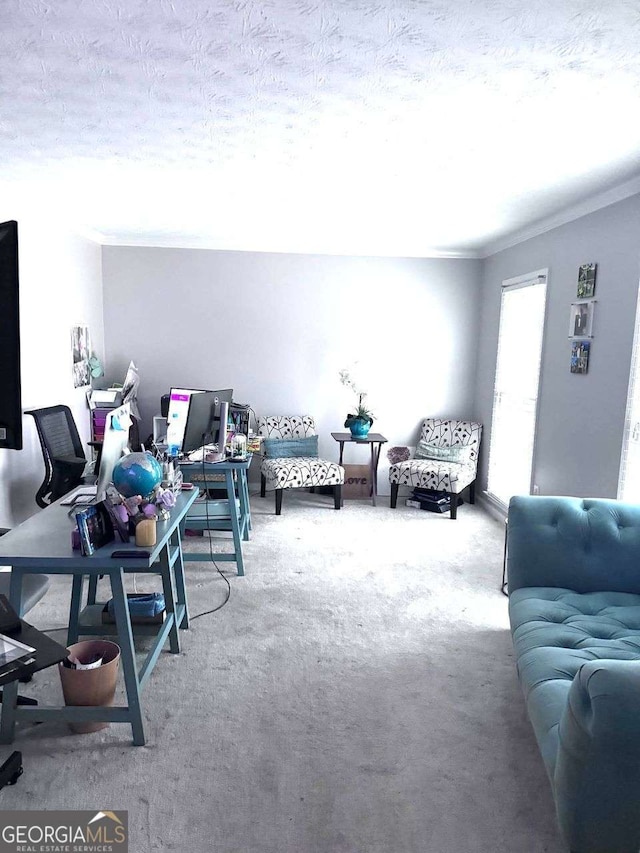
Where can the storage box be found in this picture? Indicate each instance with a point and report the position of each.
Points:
(357, 482)
(430, 506)
(431, 500)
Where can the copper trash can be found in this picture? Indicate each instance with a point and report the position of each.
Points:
(91, 687)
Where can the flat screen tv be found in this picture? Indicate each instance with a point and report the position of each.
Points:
(10, 388)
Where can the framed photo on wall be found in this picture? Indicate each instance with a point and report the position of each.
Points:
(581, 319)
(81, 351)
(580, 351)
(586, 281)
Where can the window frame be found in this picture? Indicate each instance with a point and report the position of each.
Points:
(634, 378)
(536, 277)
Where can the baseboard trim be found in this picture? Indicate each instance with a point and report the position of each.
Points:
(492, 507)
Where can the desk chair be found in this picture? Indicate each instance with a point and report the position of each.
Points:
(62, 451)
(34, 587)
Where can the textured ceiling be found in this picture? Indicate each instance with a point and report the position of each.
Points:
(356, 126)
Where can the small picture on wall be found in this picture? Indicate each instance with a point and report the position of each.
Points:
(586, 281)
(580, 356)
(581, 319)
(81, 350)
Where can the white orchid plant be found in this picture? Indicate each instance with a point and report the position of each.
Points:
(362, 413)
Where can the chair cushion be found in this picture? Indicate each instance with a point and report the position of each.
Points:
(431, 474)
(300, 471)
(282, 448)
(555, 631)
(424, 450)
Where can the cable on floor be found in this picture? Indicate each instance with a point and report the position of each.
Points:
(220, 572)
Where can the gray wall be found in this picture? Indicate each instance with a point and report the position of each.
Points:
(581, 418)
(278, 328)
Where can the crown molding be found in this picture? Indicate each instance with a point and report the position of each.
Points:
(568, 214)
(90, 234)
(211, 245)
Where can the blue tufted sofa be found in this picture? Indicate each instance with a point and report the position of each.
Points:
(574, 603)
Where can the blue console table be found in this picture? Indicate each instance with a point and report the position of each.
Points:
(232, 513)
(42, 544)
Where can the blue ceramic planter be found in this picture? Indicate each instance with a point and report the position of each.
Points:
(359, 428)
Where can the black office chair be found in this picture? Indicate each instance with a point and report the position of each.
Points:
(64, 457)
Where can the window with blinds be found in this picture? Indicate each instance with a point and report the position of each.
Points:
(515, 396)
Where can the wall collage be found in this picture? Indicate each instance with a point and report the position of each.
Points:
(581, 319)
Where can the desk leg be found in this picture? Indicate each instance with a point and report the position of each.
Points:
(244, 509)
(169, 589)
(15, 590)
(93, 589)
(245, 485)
(74, 609)
(181, 590)
(127, 654)
(9, 704)
(245, 477)
(235, 521)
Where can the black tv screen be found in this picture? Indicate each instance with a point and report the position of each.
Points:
(10, 388)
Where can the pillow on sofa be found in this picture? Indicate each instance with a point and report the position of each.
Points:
(424, 450)
(278, 448)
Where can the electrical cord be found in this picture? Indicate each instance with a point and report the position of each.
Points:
(220, 572)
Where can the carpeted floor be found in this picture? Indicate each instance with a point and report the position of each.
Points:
(356, 695)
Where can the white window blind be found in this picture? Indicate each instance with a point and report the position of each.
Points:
(629, 480)
(515, 398)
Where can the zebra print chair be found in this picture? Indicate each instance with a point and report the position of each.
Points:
(295, 472)
(451, 475)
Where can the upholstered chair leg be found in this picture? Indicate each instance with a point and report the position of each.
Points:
(454, 506)
(472, 492)
(263, 485)
(279, 501)
(337, 497)
(312, 490)
(394, 495)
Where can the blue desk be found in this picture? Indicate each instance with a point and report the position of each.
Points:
(232, 513)
(42, 544)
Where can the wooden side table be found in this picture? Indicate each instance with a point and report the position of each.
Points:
(375, 442)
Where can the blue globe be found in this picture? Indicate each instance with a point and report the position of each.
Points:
(137, 474)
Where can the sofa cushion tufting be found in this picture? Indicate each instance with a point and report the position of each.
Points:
(556, 631)
(574, 582)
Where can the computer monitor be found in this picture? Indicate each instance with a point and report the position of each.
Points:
(179, 400)
(221, 417)
(200, 419)
(115, 442)
(225, 396)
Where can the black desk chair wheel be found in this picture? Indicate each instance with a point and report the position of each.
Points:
(11, 770)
